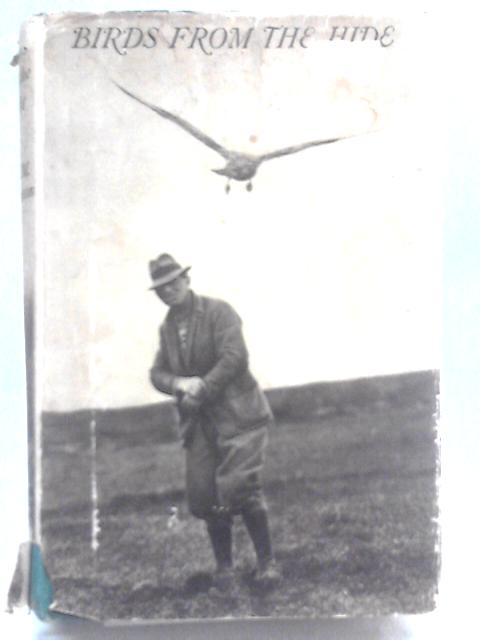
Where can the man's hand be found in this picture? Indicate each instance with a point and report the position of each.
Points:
(193, 387)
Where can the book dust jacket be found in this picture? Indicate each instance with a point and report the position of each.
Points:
(232, 240)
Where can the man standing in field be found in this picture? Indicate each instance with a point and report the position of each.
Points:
(203, 362)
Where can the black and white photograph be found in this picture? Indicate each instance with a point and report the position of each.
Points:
(232, 253)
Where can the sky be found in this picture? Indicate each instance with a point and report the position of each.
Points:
(332, 260)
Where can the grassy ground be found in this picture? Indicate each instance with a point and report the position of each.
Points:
(352, 497)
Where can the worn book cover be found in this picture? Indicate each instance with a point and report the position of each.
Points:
(232, 282)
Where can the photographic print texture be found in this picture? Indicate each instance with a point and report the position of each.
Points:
(266, 191)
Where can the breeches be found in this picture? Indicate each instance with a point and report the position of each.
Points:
(224, 471)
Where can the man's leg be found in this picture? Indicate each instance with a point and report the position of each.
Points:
(256, 522)
(240, 489)
(201, 462)
(220, 531)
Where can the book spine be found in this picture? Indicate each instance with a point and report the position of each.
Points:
(32, 123)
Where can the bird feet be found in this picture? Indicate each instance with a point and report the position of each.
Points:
(249, 186)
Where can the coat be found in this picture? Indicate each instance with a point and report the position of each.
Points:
(215, 352)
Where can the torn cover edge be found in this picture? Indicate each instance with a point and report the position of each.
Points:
(31, 585)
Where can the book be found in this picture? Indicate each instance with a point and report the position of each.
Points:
(288, 165)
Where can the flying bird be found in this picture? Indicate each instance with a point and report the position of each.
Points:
(239, 166)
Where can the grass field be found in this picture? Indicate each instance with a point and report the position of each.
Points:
(352, 494)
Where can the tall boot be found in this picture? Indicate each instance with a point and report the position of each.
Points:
(220, 532)
(256, 521)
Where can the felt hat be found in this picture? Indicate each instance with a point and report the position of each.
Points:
(164, 269)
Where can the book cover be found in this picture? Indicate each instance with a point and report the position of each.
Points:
(265, 190)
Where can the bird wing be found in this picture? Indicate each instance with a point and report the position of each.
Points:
(298, 147)
(196, 133)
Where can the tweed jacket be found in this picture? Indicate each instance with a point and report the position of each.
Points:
(216, 352)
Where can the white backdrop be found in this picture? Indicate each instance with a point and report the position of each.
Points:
(333, 260)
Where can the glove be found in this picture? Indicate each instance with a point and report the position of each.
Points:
(193, 386)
